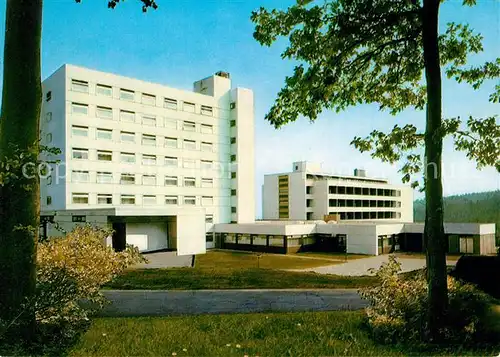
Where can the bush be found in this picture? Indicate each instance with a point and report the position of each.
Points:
(398, 308)
(72, 270)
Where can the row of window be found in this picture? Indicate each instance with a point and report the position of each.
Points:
(147, 99)
(130, 179)
(362, 215)
(365, 191)
(361, 203)
(146, 139)
(107, 199)
(127, 116)
(150, 160)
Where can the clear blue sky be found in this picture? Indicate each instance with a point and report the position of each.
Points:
(187, 40)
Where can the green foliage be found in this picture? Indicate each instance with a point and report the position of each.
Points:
(398, 309)
(352, 52)
(146, 4)
(70, 273)
(481, 207)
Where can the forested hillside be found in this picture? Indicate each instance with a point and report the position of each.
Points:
(481, 207)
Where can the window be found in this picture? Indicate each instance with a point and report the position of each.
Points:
(79, 130)
(233, 192)
(127, 179)
(77, 108)
(81, 154)
(48, 117)
(170, 123)
(188, 126)
(148, 99)
(104, 90)
(233, 209)
(148, 200)
(189, 163)
(103, 155)
(104, 112)
(207, 201)
(188, 107)
(104, 199)
(189, 144)
(80, 176)
(126, 94)
(207, 182)
(189, 182)
(104, 177)
(128, 199)
(148, 120)
(232, 123)
(127, 137)
(170, 181)
(171, 143)
(48, 96)
(104, 134)
(80, 198)
(170, 200)
(149, 140)
(49, 180)
(49, 200)
(233, 175)
(206, 146)
(149, 160)
(206, 110)
(149, 180)
(170, 103)
(207, 129)
(48, 138)
(232, 105)
(128, 158)
(79, 219)
(233, 158)
(206, 164)
(233, 141)
(79, 86)
(209, 218)
(171, 161)
(190, 200)
(127, 117)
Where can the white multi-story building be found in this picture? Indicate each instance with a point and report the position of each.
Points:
(148, 151)
(307, 193)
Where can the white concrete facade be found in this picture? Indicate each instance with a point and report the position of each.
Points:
(312, 194)
(127, 143)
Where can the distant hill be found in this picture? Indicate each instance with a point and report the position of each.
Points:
(480, 207)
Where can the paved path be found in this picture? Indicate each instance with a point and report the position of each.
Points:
(360, 267)
(194, 302)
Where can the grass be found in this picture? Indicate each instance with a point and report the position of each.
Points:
(223, 278)
(244, 260)
(266, 334)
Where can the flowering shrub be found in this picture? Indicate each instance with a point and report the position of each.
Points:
(71, 270)
(398, 307)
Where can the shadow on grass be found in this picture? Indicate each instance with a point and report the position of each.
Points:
(48, 340)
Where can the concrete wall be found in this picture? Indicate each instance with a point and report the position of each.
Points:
(191, 234)
(52, 126)
(148, 236)
(245, 157)
(297, 195)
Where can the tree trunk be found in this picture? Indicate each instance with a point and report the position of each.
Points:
(19, 128)
(434, 231)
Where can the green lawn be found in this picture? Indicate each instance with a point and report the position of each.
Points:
(224, 278)
(238, 270)
(266, 334)
(241, 260)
